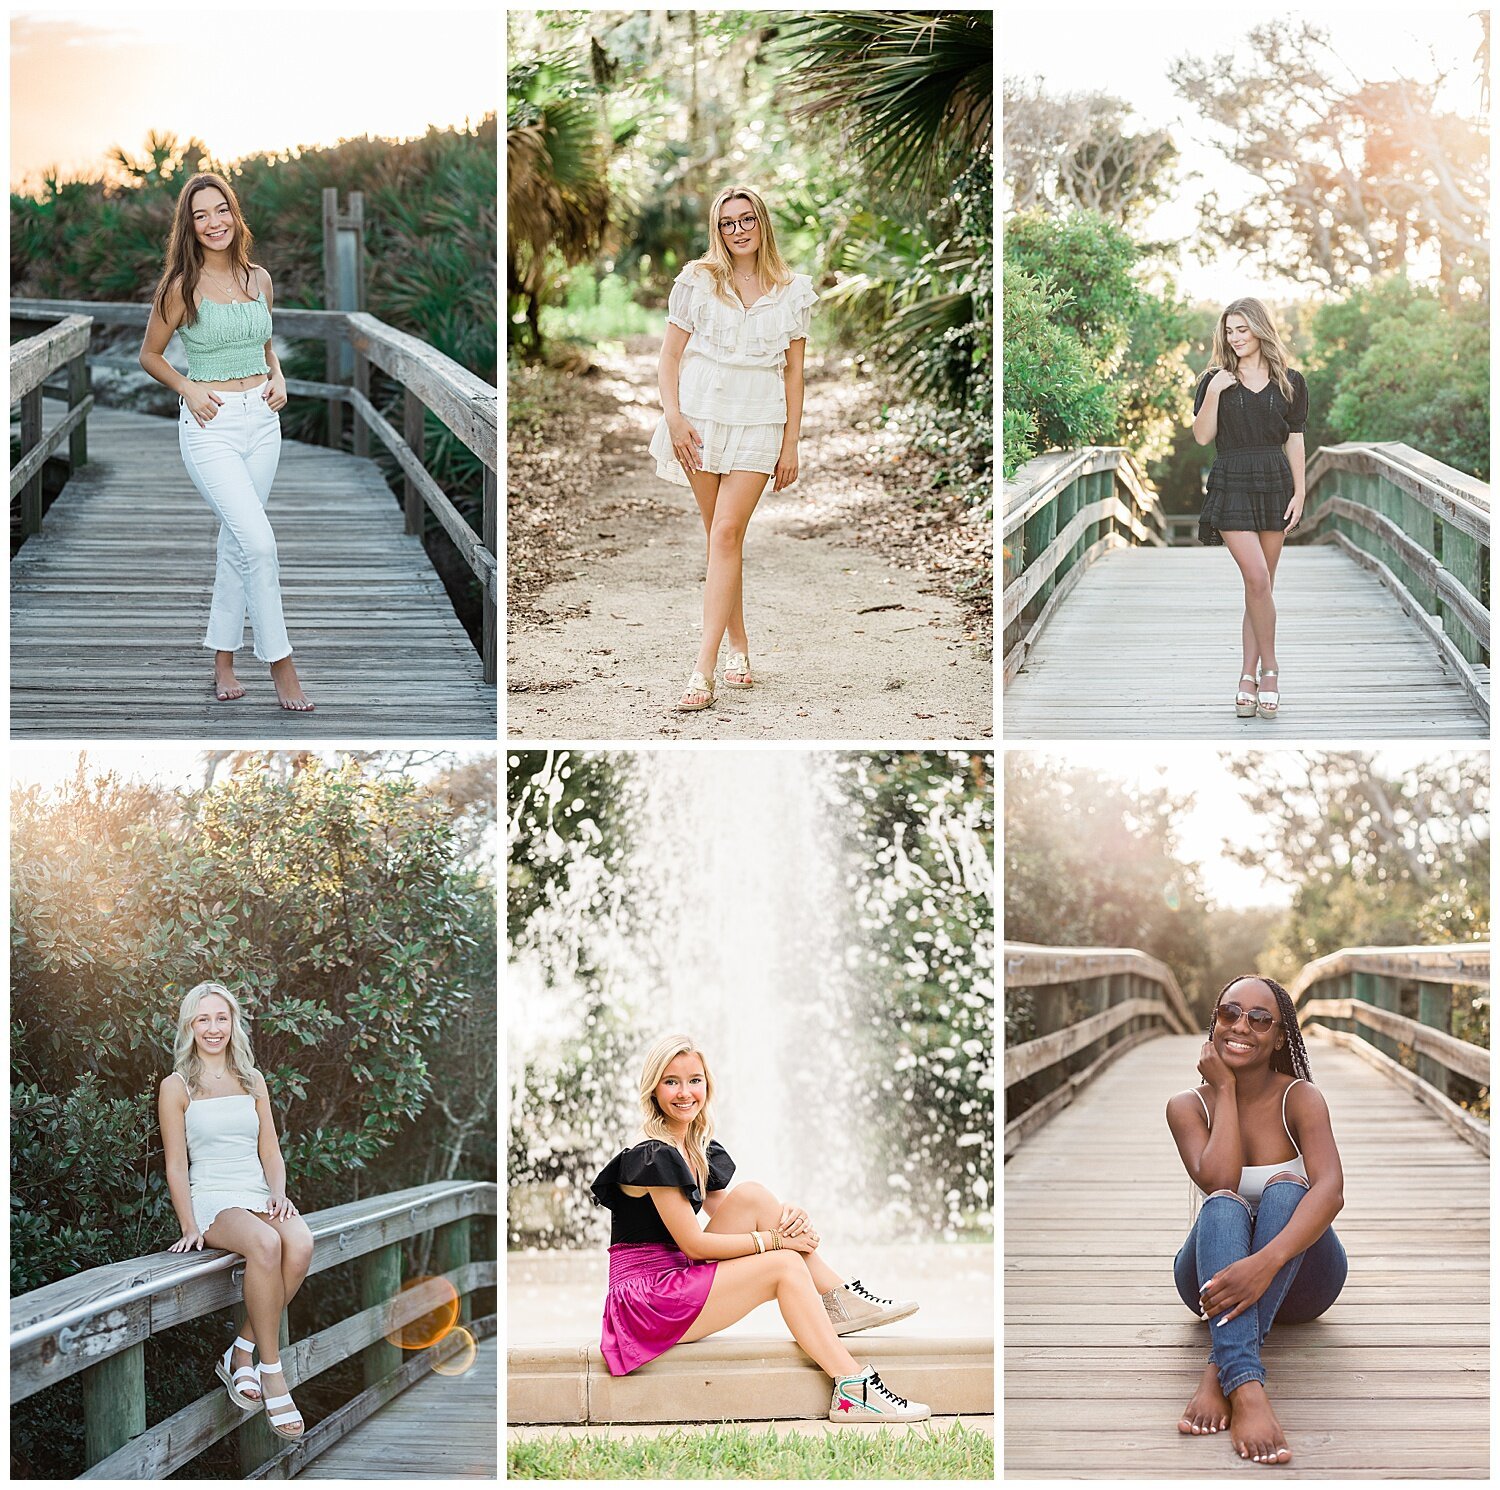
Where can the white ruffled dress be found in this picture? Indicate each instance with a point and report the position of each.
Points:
(732, 386)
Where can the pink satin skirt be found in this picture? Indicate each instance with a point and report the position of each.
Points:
(655, 1293)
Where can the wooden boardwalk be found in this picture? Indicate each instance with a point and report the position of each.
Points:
(109, 604)
(444, 1428)
(1148, 647)
(1102, 1356)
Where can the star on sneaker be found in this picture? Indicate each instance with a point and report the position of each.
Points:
(867, 1399)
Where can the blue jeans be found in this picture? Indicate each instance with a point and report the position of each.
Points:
(1303, 1288)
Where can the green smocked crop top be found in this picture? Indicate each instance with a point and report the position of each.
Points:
(227, 341)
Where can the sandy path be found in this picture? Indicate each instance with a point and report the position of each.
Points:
(844, 645)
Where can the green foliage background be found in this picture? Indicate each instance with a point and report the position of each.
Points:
(346, 911)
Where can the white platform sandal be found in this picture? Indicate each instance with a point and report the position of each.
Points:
(235, 1379)
(1268, 700)
(1244, 700)
(280, 1410)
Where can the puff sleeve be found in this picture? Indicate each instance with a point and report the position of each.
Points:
(720, 1165)
(1296, 418)
(680, 300)
(648, 1163)
(800, 300)
(1201, 392)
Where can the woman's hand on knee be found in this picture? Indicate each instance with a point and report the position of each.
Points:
(1236, 1288)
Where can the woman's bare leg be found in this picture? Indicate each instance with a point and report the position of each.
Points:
(723, 590)
(706, 489)
(752, 1207)
(1260, 609)
(296, 1251)
(745, 1283)
(1271, 544)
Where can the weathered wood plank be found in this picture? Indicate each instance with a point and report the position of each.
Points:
(102, 647)
(1354, 665)
(36, 358)
(1391, 1382)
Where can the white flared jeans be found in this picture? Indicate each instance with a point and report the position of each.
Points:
(232, 461)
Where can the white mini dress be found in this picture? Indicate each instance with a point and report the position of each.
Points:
(224, 1169)
(732, 387)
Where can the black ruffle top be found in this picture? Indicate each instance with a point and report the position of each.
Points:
(1251, 480)
(634, 1218)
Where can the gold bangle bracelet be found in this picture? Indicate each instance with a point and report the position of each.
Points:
(760, 1246)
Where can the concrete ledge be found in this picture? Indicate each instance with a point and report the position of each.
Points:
(741, 1379)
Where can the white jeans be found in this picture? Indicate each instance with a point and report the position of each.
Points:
(232, 460)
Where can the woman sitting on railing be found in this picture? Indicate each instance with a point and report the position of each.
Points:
(672, 1281)
(1263, 1245)
(228, 1185)
(1254, 407)
(228, 429)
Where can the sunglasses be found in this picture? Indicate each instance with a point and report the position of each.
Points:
(736, 224)
(1260, 1019)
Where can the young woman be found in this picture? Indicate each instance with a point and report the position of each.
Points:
(228, 1186)
(228, 428)
(672, 1280)
(731, 396)
(1253, 408)
(1263, 1246)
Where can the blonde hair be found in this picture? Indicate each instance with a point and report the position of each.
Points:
(1272, 348)
(654, 1122)
(238, 1060)
(720, 262)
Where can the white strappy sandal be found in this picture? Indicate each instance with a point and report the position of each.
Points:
(1268, 700)
(235, 1379)
(1244, 700)
(281, 1416)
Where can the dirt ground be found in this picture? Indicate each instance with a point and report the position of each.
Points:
(865, 618)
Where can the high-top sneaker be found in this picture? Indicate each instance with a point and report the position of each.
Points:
(851, 1306)
(867, 1399)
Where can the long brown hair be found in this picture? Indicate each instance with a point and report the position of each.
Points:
(720, 262)
(185, 254)
(1272, 348)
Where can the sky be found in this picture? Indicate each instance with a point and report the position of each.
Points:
(1128, 52)
(245, 80)
(1219, 817)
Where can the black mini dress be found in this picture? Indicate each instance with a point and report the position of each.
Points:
(1251, 480)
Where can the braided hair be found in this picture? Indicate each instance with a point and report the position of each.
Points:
(1291, 1059)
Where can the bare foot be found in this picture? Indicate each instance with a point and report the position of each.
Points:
(227, 687)
(1253, 1427)
(289, 692)
(1208, 1412)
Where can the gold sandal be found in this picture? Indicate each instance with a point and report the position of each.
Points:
(739, 663)
(696, 683)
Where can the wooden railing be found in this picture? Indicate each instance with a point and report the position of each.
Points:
(1424, 530)
(1061, 512)
(1089, 1005)
(1395, 1006)
(63, 346)
(96, 1324)
(431, 382)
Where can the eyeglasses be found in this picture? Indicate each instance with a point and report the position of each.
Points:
(1260, 1019)
(737, 224)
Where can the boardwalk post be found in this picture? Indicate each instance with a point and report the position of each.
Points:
(1435, 1010)
(451, 1251)
(344, 290)
(490, 535)
(31, 434)
(114, 1403)
(379, 1283)
(414, 432)
(257, 1442)
(78, 387)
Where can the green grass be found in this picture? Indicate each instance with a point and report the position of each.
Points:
(732, 1453)
(601, 310)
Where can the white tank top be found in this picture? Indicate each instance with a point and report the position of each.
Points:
(1253, 1177)
(223, 1142)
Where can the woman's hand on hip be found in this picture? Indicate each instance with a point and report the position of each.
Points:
(687, 443)
(189, 1241)
(201, 402)
(274, 392)
(786, 467)
(1236, 1288)
(280, 1208)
